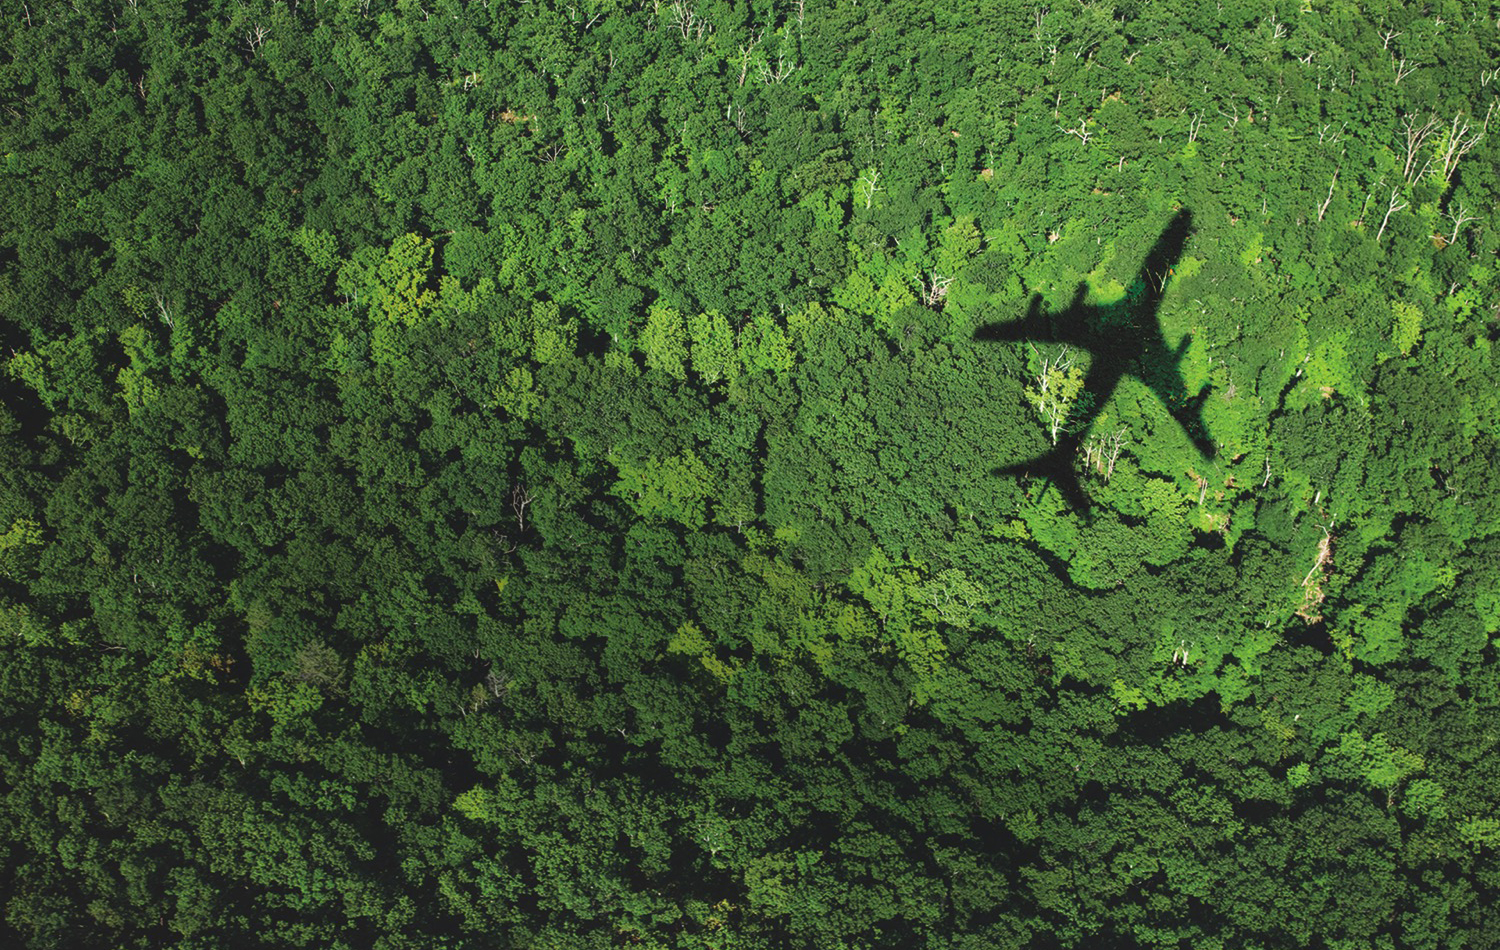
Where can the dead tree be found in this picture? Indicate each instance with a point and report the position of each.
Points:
(1312, 584)
(1082, 131)
(1397, 203)
(1416, 136)
(255, 37)
(1460, 139)
(934, 289)
(521, 499)
(1323, 208)
(773, 76)
(1102, 453)
(870, 183)
(1461, 218)
(689, 22)
(745, 52)
(1195, 124)
(1058, 387)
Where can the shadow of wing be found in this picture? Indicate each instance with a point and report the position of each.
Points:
(1163, 376)
(1069, 325)
(1190, 417)
(1034, 326)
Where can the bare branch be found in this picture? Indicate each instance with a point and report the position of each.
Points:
(1416, 136)
(163, 310)
(1103, 452)
(497, 682)
(689, 22)
(1397, 203)
(1057, 390)
(1459, 220)
(745, 52)
(934, 289)
(1457, 144)
(1324, 132)
(780, 73)
(255, 37)
(1323, 208)
(1082, 131)
(521, 499)
(736, 117)
(871, 182)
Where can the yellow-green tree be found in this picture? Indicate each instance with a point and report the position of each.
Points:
(1056, 390)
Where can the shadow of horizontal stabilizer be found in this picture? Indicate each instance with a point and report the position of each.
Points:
(1056, 468)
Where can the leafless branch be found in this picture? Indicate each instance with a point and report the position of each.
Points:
(1323, 134)
(1457, 144)
(255, 38)
(781, 72)
(1323, 208)
(745, 52)
(1416, 135)
(871, 182)
(1397, 203)
(163, 310)
(521, 499)
(689, 22)
(1082, 131)
(934, 289)
(1459, 220)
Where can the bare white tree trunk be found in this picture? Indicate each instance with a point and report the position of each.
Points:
(1396, 204)
(1459, 142)
(745, 52)
(1082, 131)
(1323, 208)
(1459, 220)
(1416, 136)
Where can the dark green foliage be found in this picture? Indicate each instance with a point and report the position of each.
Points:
(538, 475)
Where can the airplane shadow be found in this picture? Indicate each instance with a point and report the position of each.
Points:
(1123, 341)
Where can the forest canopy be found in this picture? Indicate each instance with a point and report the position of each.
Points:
(801, 474)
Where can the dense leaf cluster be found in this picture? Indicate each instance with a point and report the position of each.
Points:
(531, 475)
